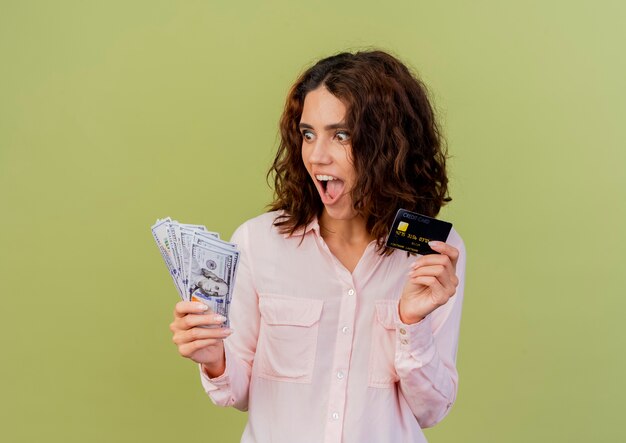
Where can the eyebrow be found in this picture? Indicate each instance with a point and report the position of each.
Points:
(339, 125)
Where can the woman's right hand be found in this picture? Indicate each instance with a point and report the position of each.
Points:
(202, 345)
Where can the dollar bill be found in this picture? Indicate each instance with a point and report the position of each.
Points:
(173, 233)
(187, 233)
(212, 274)
(160, 233)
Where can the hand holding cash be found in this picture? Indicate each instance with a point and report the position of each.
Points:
(196, 341)
(202, 266)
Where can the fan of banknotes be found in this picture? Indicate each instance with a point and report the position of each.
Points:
(202, 266)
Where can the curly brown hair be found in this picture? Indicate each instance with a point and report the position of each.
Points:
(397, 147)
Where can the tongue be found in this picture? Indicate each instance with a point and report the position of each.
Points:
(334, 188)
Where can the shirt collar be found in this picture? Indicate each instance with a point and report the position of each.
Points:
(313, 225)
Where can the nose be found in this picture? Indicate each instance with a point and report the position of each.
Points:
(320, 152)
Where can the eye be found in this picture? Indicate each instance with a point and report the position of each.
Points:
(307, 135)
(342, 136)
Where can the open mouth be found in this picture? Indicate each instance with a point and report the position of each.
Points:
(331, 187)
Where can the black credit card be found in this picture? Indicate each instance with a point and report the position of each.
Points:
(411, 232)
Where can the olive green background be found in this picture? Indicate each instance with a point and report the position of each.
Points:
(114, 113)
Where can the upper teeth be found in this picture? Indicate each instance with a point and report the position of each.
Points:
(325, 177)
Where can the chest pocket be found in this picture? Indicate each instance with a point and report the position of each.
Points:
(288, 335)
(382, 371)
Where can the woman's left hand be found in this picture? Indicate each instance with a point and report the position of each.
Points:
(432, 281)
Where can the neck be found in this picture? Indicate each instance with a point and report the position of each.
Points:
(349, 231)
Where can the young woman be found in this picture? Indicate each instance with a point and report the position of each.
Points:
(336, 338)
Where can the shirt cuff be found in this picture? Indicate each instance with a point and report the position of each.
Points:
(416, 340)
(220, 382)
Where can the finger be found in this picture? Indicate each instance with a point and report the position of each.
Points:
(446, 249)
(183, 308)
(205, 333)
(442, 273)
(432, 259)
(187, 336)
(425, 280)
(188, 349)
(440, 288)
(439, 293)
(193, 320)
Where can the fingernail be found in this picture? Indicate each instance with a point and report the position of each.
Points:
(201, 306)
(219, 318)
(434, 243)
(228, 331)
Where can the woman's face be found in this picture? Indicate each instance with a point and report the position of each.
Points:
(327, 151)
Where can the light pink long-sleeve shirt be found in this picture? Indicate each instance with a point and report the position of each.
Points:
(319, 354)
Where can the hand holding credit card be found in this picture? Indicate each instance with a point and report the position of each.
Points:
(411, 232)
